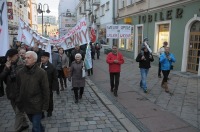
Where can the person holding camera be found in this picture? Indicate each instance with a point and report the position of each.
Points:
(166, 60)
(12, 67)
(144, 58)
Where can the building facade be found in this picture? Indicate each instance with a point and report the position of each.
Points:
(99, 12)
(50, 26)
(174, 21)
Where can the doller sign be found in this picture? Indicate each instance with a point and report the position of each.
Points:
(118, 31)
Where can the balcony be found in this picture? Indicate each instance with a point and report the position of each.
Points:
(96, 2)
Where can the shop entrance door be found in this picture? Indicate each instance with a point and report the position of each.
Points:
(194, 48)
(139, 38)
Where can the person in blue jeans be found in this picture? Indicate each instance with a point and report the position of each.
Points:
(144, 58)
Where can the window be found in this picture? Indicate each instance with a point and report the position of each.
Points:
(102, 10)
(130, 2)
(122, 43)
(162, 34)
(130, 42)
(107, 5)
(122, 4)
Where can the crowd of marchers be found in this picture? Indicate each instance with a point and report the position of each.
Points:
(31, 75)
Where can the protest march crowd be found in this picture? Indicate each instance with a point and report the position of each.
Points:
(30, 77)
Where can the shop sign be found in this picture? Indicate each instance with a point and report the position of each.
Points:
(118, 31)
(160, 16)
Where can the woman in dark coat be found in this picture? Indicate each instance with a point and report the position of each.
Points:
(78, 82)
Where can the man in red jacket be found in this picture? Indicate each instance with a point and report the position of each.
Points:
(114, 59)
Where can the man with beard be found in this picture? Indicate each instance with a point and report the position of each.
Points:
(13, 65)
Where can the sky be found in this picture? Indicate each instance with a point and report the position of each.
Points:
(53, 5)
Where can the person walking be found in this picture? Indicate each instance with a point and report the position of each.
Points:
(52, 79)
(78, 82)
(98, 47)
(12, 66)
(114, 60)
(144, 58)
(33, 91)
(56, 62)
(161, 51)
(166, 60)
(64, 63)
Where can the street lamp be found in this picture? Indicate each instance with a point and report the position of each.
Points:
(41, 10)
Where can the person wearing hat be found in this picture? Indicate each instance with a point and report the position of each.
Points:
(52, 78)
(12, 66)
(144, 58)
(161, 51)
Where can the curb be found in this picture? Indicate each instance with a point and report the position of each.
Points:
(127, 124)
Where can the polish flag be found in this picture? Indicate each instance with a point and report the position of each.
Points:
(93, 34)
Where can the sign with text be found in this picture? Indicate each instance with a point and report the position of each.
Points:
(77, 35)
(118, 31)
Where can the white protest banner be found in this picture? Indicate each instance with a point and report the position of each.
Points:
(118, 31)
(77, 35)
(4, 38)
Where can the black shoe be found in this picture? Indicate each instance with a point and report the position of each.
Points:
(145, 91)
(1, 94)
(115, 93)
(49, 114)
(23, 128)
(57, 92)
(76, 101)
(111, 90)
(80, 97)
(43, 116)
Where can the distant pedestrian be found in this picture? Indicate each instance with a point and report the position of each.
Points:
(64, 63)
(161, 51)
(9, 74)
(56, 62)
(144, 60)
(98, 47)
(52, 78)
(78, 82)
(166, 60)
(92, 47)
(114, 59)
(38, 51)
(33, 93)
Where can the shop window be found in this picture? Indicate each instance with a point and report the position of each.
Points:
(122, 43)
(130, 42)
(162, 30)
(107, 5)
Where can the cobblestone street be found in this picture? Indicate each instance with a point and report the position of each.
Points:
(88, 115)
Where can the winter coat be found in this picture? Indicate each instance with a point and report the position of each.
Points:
(10, 79)
(114, 67)
(52, 76)
(166, 62)
(64, 60)
(76, 74)
(33, 93)
(56, 61)
(146, 64)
